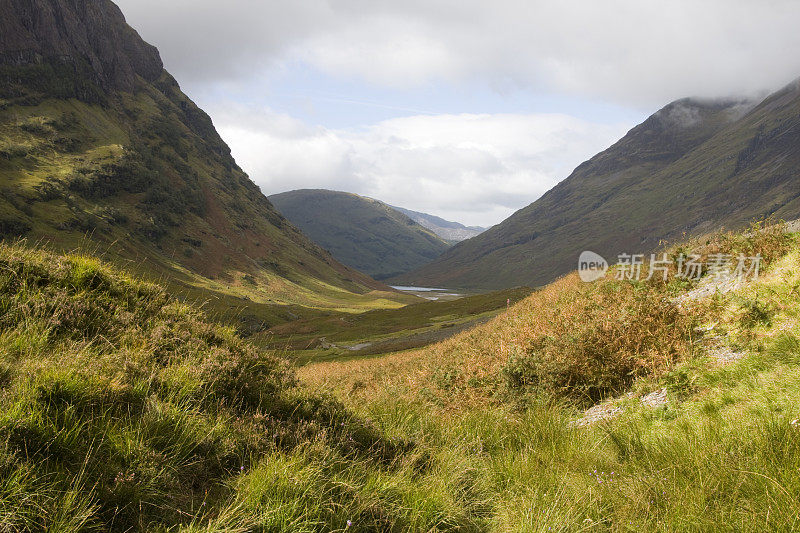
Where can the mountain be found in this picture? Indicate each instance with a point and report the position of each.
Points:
(100, 149)
(692, 167)
(363, 233)
(450, 231)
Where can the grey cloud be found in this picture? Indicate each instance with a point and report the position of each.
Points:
(621, 50)
(476, 169)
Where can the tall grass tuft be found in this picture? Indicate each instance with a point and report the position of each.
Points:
(124, 410)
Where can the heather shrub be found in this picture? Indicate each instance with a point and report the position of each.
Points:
(609, 334)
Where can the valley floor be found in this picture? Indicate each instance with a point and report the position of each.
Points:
(337, 336)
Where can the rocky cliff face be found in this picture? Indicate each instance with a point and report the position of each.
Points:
(89, 36)
(99, 146)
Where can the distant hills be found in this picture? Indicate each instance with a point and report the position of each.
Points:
(362, 233)
(449, 231)
(100, 149)
(693, 166)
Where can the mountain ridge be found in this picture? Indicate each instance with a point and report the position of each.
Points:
(361, 232)
(450, 231)
(654, 184)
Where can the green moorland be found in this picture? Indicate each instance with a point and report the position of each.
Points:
(125, 410)
(334, 336)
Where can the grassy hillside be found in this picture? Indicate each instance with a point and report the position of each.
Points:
(699, 431)
(362, 233)
(689, 169)
(124, 410)
(130, 168)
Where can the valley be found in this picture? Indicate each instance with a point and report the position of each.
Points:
(340, 336)
(180, 353)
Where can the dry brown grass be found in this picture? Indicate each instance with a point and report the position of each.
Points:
(599, 340)
(480, 354)
(570, 339)
(766, 238)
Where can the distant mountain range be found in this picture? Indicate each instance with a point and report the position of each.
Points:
(449, 231)
(692, 167)
(363, 233)
(100, 149)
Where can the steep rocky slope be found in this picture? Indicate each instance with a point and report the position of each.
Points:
(100, 148)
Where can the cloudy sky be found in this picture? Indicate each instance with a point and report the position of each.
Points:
(465, 109)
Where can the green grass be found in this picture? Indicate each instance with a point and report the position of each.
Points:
(123, 409)
(676, 470)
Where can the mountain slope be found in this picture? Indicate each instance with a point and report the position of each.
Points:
(100, 148)
(363, 233)
(449, 231)
(690, 168)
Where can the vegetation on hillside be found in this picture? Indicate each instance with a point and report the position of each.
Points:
(719, 452)
(123, 162)
(691, 168)
(362, 233)
(139, 184)
(576, 340)
(125, 410)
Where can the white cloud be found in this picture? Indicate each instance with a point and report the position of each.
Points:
(642, 51)
(476, 169)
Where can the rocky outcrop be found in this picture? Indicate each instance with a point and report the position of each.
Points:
(89, 36)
